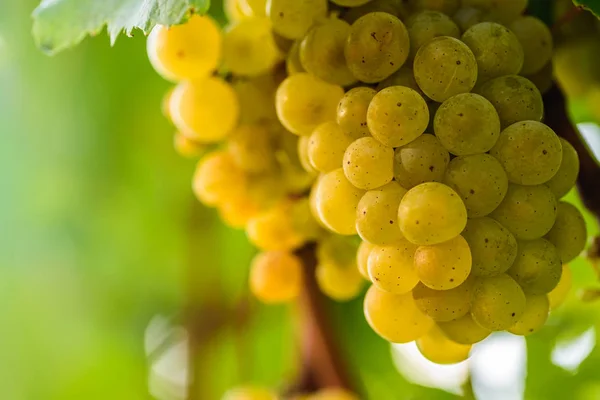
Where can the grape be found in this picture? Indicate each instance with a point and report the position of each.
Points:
(377, 214)
(362, 258)
(303, 155)
(444, 265)
(437, 348)
(537, 267)
(350, 3)
(258, 8)
(444, 6)
(467, 17)
(233, 10)
(292, 18)
(255, 96)
(431, 213)
(332, 393)
(274, 229)
(338, 250)
(559, 294)
(496, 49)
(393, 7)
(569, 234)
(566, 176)
(293, 65)
(326, 146)
(528, 212)
(467, 124)
(534, 316)
(322, 52)
(206, 110)
(165, 103)
(187, 147)
(217, 178)
(352, 111)
(422, 160)
(188, 51)
(479, 180)
(249, 48)
(395, 317)
(505, 11)
(249, 393)
(377, 46)
(464, 330)
(339, 282)
(445, 67)
(444, 305)
(252, 149)
(536, 39)
(493, 247)
(276, 277)
(391, 267)
(544, 78)
(336, 200)
(515, 99)
(498, 302)
(397, 115)
(303, 102)
(426, 25)
(529, 151)
(368, 164)
(403, 77)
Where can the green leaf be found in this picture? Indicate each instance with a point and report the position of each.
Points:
(60, 24)
(591, 5)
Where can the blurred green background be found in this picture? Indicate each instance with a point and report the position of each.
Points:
(109, 265)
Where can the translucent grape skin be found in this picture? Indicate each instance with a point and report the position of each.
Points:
(528, 212)
(205, 110)
(249, 393)
(362, 258)
(249, 48)
(377, 46)
(467, 124)
(464, 330)
(368, 164)
(395, 317)
(252, 148)
(276, 277)
(422, 160)
(336, 200)
(217, 178)
(443, 266)
(326, 146)
(567, 173)
(377, 214)
(569, 233)
(403, 77)
(303, 102)
(437, 348)
(391, 267)
(273, 229)
(188, 51)
(445, 67)
(515, 98)
(397, 115)
(332, 393)
(498, 302)
(444, 305)
(497, 50)
(352, 111)
(479, 180)
(467, 16)
(537, 267)
(339, 282)
(426, 25)
(559, 294)
(534, 316)
(529, 151)
(431, 213)
(293, 65)
(292, 19)
(536, 39)
(322, 52)
(493, 247)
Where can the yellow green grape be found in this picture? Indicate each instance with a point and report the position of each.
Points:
(352, 111)
(569, 233)
(464, 330)
(534, 316)
(443, 266)
(559, 294)
(292, 19)
(437, 348)
(426, 25)
(377, 214)
(252, 148)
(391, 267)
(368, 164)
(339, 282)
(536, 39)
(326, 146)
(537, 267)
(422, 160)
(498, 302)
(362, 258)
(566, 176)
(217, 178)
(276, 276)
(444, 305)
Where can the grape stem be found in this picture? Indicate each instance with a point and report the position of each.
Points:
(322, 364)
(557, 118)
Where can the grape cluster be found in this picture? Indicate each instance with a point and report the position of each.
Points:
(260, 393)
(405, 138)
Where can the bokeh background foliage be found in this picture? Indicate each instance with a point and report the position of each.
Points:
(107, 259)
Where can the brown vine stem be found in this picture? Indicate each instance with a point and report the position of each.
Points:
(588, 181)
(322, 364)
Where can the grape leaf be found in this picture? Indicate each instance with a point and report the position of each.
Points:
(591, 5)
(60, 24)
